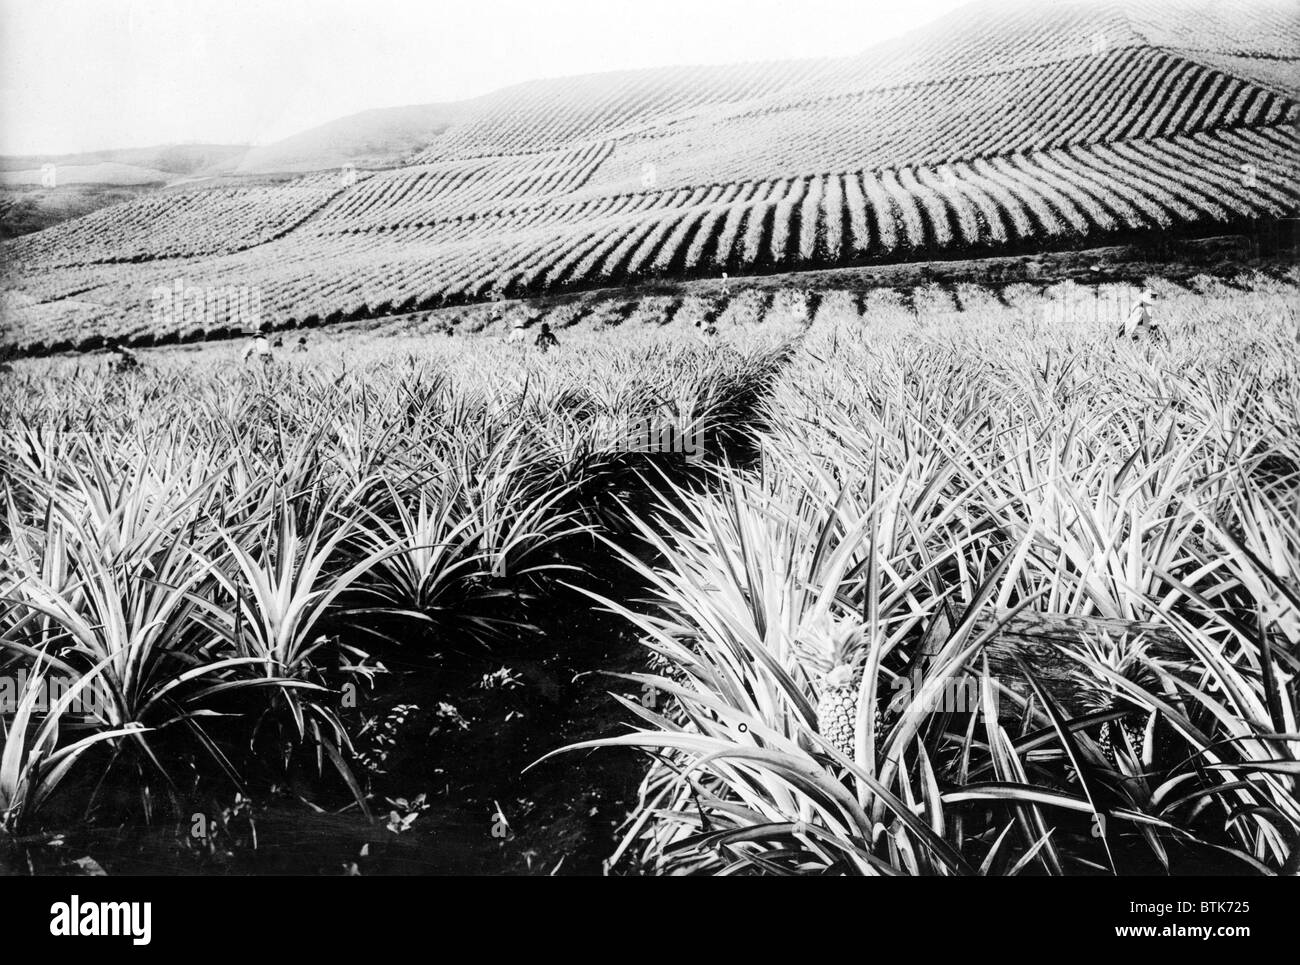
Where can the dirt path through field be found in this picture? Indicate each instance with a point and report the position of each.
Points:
(490, 811)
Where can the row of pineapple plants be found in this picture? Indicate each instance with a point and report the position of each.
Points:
(823, 700)
(205, 556)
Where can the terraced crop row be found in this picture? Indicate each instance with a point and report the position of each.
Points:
(783, 224)
(551, 114)
(179, 224)
(1127, 94)
(428, 194)
(970, 44)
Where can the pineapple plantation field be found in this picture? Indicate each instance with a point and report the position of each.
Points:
(1002, 128)
(660, 602)
(295, 586)
(840, 533)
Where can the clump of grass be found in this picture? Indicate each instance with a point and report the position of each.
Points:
(791, 307)
(653, 310)
(745, 308)
(837, 308)
(694, 311)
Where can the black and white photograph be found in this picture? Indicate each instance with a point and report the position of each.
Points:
(660, 438)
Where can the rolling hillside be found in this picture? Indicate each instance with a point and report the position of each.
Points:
(375, 138)
(176, 160)
(1003, 127)
(84, 183)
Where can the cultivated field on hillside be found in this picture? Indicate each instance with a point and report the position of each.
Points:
(999, 128)
(368, 554)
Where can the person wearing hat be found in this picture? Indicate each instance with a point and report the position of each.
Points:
(258, 347)
(123, 358)
(545, 339)
(517, 335)
(1139, 323)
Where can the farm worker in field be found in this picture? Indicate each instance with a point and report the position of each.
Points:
(517, 335)
(123, 358)
(1139, 323)
(258, 347)
(726, 285)
(302, 344)
(545, 339)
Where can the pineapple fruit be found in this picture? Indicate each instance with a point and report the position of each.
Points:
(836, 651)
(1098, 693)
(837, 709)
(1112, 735)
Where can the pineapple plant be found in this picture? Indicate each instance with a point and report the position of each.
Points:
(1099, 693)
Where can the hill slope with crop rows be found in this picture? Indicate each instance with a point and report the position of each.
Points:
(1002, 127)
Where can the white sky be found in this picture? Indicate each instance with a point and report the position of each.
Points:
(78, 75)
